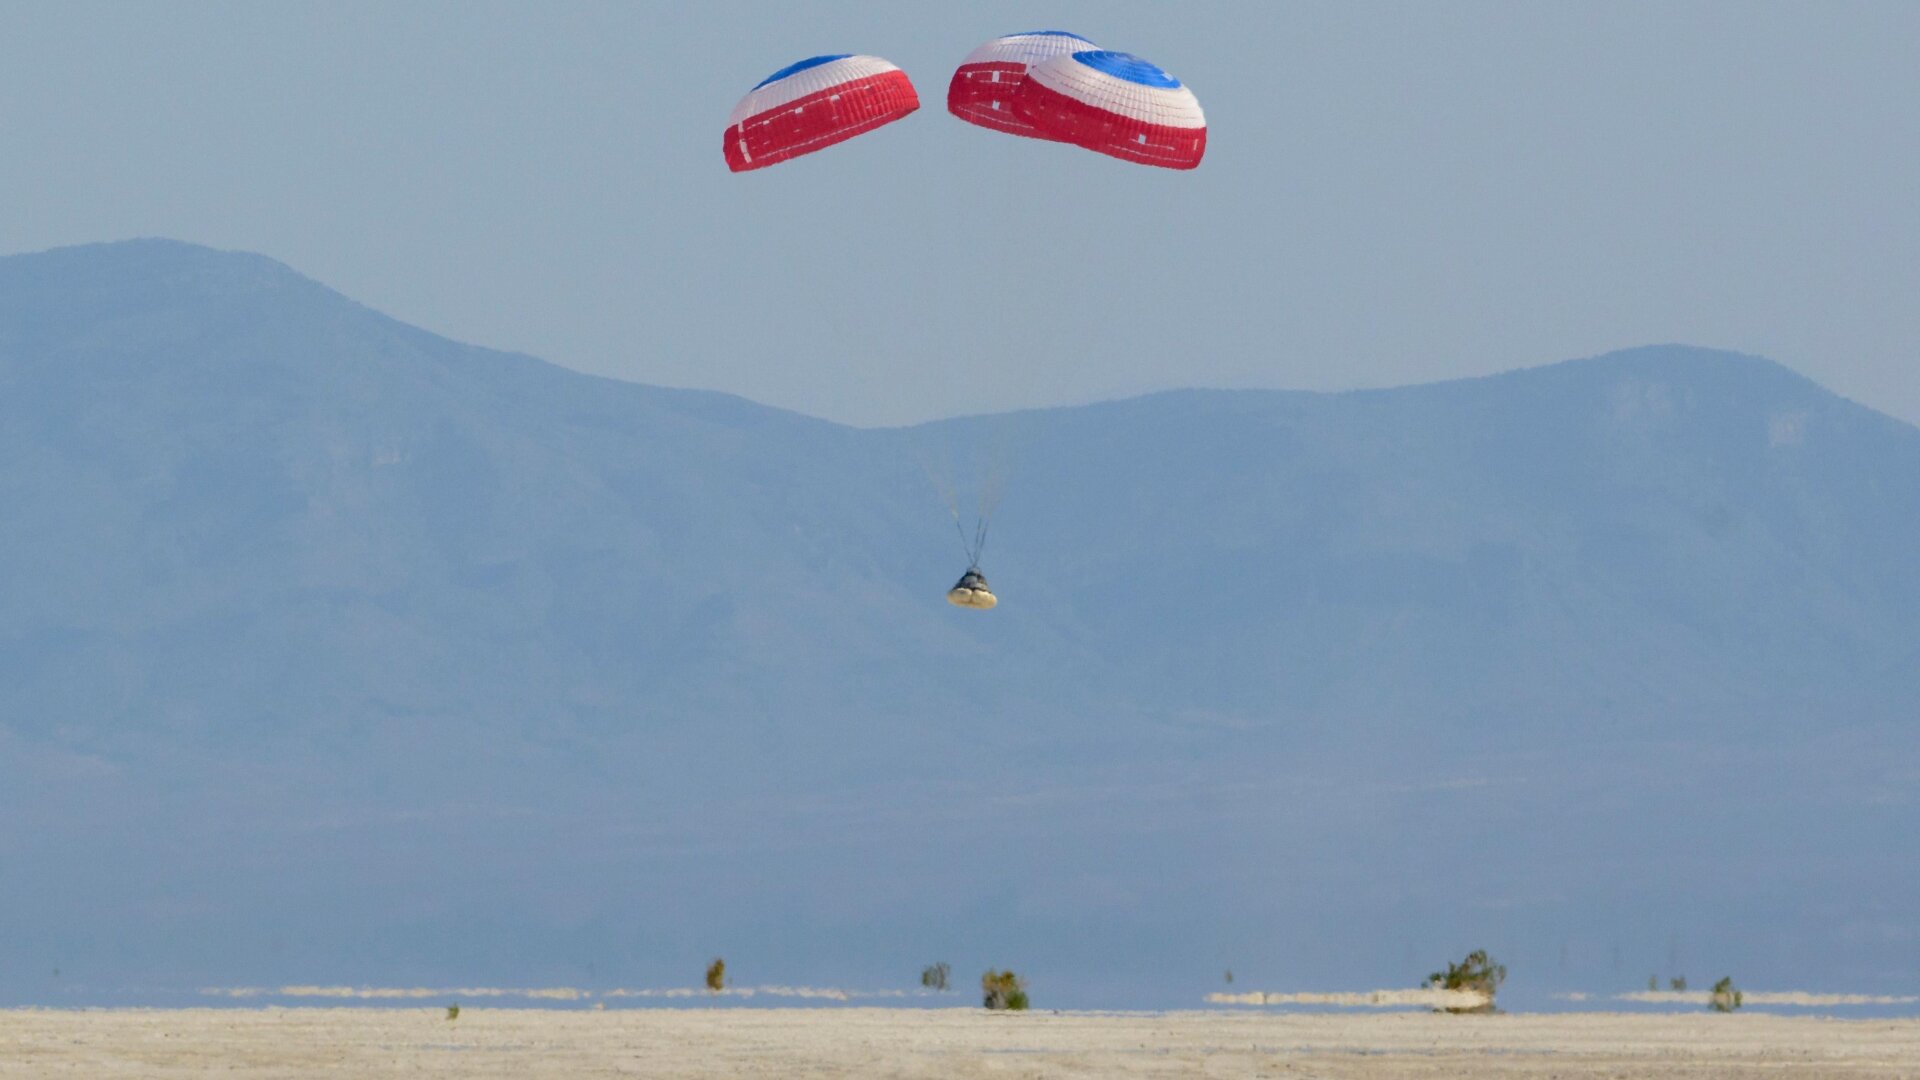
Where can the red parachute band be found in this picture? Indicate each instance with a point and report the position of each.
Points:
(812, 105)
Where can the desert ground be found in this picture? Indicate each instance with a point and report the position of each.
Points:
(314, 1042)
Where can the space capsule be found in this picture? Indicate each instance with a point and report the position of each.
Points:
(971, 591)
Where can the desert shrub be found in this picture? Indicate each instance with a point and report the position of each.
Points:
(934, 976)
(1677, 984)
(1003, 990)
(717, 975)
(1477, 972)
(453, 1012)
(1726, 997)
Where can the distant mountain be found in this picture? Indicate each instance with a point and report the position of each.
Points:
(331, 650)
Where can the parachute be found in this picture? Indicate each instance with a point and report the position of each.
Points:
(812, 105)
(1116, 104)
(984, 87)
(971, 591)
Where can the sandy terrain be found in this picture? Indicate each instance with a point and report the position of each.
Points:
(486, 1043)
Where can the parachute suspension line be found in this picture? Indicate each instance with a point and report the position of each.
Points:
(993, 483)
(973, 558)
(939, 475)
(941, 479)
(974, 546)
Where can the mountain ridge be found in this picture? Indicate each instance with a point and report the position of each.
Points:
(225, 265)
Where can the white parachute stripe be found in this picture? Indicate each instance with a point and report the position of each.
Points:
(810, 81)
(1159, 105)
(1027, 49)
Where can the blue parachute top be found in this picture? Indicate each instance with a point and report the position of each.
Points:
(1127, 66)
(809, 62)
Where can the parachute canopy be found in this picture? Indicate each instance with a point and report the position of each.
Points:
(813, 104)
(971, 591)
(984, 87)
(1115, 104)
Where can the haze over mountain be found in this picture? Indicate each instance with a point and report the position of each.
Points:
(334, 651)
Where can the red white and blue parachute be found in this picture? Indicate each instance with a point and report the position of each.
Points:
(813, 104)
(984, 88)
(1116, 104)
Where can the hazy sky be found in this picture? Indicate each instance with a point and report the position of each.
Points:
(1392, 193)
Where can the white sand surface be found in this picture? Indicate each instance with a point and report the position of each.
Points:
(486, 1043)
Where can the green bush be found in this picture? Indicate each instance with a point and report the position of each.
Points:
(1003, 990)
(934, 976)
(1726, 997)
(717, 975)
(453, 1012)
(1477, 972)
